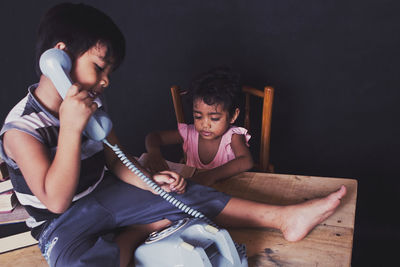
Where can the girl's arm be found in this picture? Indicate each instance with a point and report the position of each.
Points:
(168, 180)
(154, 141)
(243, 161)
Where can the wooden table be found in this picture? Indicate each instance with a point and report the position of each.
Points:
(329, 244)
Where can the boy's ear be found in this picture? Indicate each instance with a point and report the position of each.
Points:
(61, 45)
(235, 115)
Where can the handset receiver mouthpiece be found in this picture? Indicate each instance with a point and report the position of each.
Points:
(99, 126)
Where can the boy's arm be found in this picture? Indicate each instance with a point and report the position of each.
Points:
(169, 181)
(243, 161)
(154, 141)
(54, 182)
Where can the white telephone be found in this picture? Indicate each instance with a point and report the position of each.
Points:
(188, 242)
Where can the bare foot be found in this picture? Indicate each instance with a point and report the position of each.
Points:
(300, 219)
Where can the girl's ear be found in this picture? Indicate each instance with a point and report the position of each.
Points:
(61, 45)
(235, 115)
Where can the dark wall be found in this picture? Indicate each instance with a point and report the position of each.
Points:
(333, 65)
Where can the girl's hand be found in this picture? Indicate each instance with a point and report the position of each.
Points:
(76, 109)
(155, 162)
(170, 181)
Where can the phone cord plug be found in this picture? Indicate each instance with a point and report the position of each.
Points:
(161, 192)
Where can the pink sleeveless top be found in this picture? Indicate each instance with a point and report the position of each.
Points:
(191, 144)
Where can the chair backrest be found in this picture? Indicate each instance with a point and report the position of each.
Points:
(176, 99)
(267, 95)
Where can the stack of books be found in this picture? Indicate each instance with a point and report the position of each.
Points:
(14, 233)
(3, 170)
(8, 201)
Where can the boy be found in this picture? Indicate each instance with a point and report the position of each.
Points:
(77, 209)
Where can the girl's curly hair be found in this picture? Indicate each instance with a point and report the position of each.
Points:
(218, 86)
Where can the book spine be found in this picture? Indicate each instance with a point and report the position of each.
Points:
(3, 170)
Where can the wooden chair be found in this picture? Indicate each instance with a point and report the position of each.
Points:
(267, 95)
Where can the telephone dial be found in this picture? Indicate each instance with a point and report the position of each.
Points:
(194, 242)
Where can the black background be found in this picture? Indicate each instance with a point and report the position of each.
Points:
(333, 65)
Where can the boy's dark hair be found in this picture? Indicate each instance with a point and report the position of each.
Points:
(80, 27)
(218, 86)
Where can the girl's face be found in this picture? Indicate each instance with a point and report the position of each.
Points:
(211, 121)
(91, 70)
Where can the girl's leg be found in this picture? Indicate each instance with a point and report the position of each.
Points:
(132, 236)
(295, 221)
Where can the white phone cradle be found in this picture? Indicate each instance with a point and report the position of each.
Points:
(190, 242)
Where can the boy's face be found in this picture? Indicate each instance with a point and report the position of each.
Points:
(91, 70)
(210, 121)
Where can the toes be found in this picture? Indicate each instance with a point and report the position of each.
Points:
(339, 194)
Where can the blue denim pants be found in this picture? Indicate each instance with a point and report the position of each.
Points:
(84, 234)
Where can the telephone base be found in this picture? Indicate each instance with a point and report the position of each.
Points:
(190, 242)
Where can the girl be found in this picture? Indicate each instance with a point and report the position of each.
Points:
(211, 143)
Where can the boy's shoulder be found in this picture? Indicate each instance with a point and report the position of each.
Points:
(31, 118)
(27, 111)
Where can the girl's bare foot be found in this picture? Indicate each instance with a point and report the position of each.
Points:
(299, 220)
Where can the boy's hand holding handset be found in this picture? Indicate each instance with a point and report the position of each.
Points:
(76, 109)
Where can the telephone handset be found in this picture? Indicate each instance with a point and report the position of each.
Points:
(55, 64)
